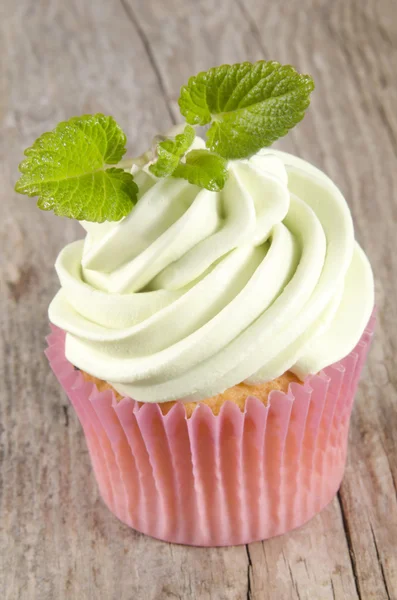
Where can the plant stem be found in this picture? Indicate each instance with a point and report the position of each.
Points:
(144, 158)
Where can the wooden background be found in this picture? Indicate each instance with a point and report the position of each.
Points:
(129, 58)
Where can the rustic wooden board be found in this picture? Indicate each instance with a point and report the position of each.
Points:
(129, 58)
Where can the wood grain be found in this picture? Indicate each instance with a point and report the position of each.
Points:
(129, 58)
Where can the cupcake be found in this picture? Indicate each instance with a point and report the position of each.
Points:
(211, 327)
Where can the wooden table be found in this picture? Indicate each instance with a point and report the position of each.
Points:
(129, 58)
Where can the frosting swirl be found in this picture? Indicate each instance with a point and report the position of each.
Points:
(195, 291)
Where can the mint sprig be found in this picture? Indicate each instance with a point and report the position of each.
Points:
(248, 105)
(170, 152)
(66, 168)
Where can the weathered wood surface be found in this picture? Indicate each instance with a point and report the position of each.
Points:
(129, 58)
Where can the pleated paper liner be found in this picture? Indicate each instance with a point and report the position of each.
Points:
(219, 480)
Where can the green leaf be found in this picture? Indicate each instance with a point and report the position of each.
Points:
(200, 167)
(203, 168)
(171, 151)
(249, 105)
(66, 169)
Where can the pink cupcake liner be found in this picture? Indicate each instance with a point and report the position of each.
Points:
(223, 480)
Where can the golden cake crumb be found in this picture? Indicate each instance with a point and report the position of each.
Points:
(236, 394)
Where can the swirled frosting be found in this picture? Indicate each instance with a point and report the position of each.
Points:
(195, 291)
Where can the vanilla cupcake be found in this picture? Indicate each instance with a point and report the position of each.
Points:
(211, 336)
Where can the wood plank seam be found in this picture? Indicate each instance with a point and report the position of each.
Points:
(249, 572)
(146, 44)
(349, 545)
(380, 562)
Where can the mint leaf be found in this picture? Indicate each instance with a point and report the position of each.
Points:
(249, 105)
(66, 169)
(200, 167)
(171, 151)
(203, 168)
